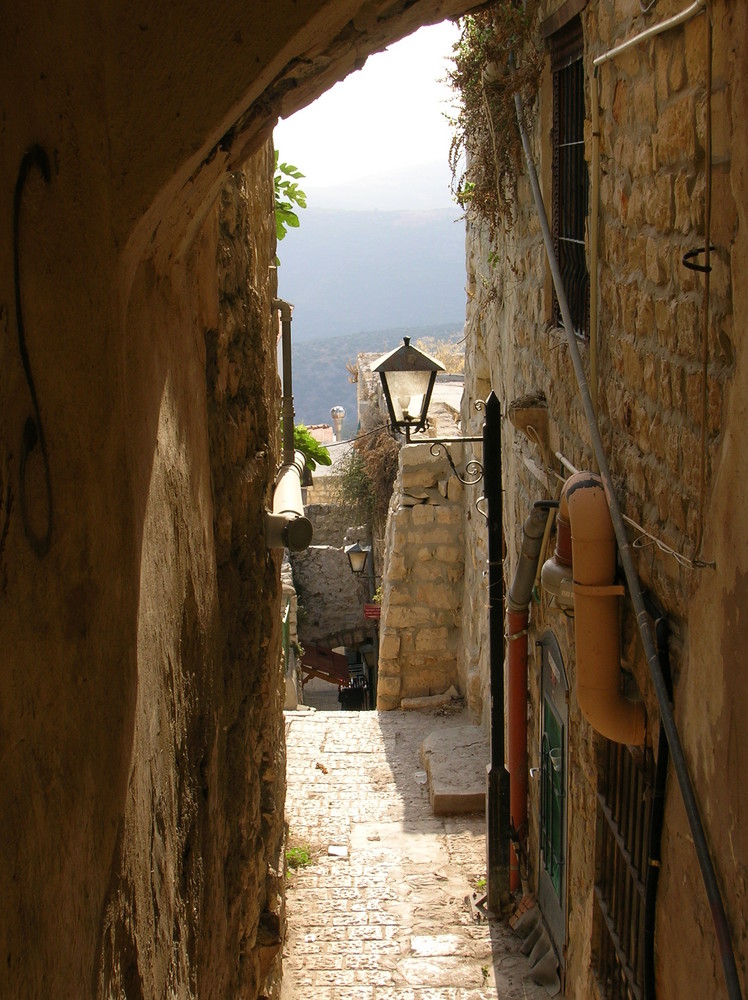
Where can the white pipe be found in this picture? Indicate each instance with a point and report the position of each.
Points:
(565, 462)
(286, 525)
(672, 22)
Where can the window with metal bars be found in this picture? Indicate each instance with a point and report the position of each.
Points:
(624, 804)
(570, 179)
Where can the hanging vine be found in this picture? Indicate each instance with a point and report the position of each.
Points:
(485, 155)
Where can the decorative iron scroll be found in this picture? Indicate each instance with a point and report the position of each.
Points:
(473, 469)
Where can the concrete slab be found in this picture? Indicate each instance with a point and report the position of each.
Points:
(455, 762)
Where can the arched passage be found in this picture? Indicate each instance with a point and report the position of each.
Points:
(136, 347)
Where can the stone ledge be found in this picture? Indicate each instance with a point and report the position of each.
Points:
(455, 761)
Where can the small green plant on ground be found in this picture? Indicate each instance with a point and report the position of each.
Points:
(298, 857)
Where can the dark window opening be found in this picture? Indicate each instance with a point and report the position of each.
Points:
(570, 178)
(624, 803)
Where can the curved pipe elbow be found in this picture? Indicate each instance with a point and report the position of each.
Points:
(596, 624)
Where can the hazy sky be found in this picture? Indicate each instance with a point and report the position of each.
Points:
(362, 143)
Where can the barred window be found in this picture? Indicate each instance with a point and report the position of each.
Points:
(624, 804)
(570, 179)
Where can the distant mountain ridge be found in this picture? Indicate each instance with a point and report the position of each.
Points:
(373, 271)
(321, 379)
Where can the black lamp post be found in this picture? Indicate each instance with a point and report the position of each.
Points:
(408, 377)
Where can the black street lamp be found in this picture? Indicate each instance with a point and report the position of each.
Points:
(408, 377)
(357, 557)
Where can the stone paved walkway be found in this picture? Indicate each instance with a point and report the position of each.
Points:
(383, 911)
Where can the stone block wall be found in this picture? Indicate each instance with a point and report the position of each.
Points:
(421, 619)
(671, 386)
(206, 784)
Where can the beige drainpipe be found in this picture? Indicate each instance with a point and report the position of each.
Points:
(596, 621)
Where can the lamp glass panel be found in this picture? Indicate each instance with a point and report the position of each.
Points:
(357, 559)
(407, 393)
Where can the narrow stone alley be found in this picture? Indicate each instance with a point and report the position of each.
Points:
(384, 908)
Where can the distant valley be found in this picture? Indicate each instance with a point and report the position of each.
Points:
(353, 271)
(359, 282)
(320, 377)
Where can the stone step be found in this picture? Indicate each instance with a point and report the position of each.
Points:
(455, 761)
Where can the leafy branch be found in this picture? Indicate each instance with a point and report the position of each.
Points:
(314, 452)
(288, 195)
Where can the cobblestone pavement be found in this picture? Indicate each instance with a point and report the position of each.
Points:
(383, 911)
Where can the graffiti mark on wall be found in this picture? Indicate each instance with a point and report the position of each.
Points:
(34, 463)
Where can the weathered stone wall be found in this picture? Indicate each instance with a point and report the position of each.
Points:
(331, 598)
(329, 522)
(422, 581)
(207, 762)
(158, 742)
(653, 327)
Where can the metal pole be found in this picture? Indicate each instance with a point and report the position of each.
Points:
(497, 777)
(287, 401)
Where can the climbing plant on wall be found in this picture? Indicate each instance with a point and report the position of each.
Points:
(495, 58)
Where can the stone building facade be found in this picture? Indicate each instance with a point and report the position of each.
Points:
(140, 683)
(668, 372)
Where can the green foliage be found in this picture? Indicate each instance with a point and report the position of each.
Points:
(486, 153)
(287, 195)
(367, 476)
(298, 857)
(314, 452)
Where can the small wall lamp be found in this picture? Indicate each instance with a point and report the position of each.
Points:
(408, 376)
(357, 557)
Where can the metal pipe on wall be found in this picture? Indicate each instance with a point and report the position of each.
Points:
(286, 525)
(497, 777)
